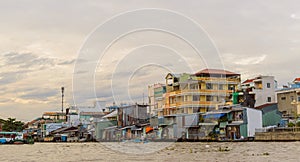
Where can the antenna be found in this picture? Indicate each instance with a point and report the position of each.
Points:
(62, 99)
(143, 99)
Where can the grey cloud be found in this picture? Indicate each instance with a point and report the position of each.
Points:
(37, 95)
(69, 62)
(4, 100)
(14, 58)
(12, 77)
(26, 60)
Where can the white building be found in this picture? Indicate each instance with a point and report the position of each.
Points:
(84, 114)
(254, 120)
(262, 88)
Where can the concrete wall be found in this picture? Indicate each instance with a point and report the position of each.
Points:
(284, 102)
(254, 120)
(277, 136)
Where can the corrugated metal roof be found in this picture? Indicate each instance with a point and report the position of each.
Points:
(112, 114)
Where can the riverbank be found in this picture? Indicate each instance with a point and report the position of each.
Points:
(224, 151)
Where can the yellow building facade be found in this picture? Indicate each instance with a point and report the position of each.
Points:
(199, 92)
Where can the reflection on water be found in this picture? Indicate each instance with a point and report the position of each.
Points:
(225, 151)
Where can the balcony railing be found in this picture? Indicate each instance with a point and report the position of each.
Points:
(200, 91)
(193, 103)
(219, 79)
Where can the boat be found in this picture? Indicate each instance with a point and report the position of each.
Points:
(14, 138)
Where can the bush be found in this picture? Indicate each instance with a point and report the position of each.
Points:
(290, 124)
(298, 124)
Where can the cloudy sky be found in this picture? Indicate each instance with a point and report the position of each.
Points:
(111, 50)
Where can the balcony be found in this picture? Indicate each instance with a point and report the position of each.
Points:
(219, 79)
(206, 91)
(174, 93)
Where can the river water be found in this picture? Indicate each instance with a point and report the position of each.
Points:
(126, 151)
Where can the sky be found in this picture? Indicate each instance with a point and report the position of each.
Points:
(112, 50)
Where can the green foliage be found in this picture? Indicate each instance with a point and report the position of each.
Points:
(201, 119)
(298, 124)
(223, 119)
(290, 124)
(12, 125)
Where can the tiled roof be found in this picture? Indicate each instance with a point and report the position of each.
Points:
(248, 81)
(54, 113)
(265, 105)
(297, 80)
(215, 71)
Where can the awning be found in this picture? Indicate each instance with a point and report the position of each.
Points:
(215, 116)
(223, 124)
(209, 124)
(112, 114)
(133, 128)
(235, 123)
(126, 127)
(149, 129)
(191, 126)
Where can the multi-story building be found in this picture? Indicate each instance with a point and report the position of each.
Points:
(199, 92)
(131, 115)
(289, 100)
(56, 117)
(156, 94)
(261, 89)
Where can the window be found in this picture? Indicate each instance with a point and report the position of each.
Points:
(221, 87)
(269, 99)
(231, 87)
(268, 85)
(185, 98)
(209, 98)
(298, 99)
(292, 98)
(209, 86)
(196, 97)
(283, 98)
(193, 86)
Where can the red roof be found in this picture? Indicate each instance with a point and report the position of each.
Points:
(264, 105)
(297, 80)
(248, 81)
(216, 71)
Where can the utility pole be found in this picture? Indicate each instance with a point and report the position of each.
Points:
(62, 99)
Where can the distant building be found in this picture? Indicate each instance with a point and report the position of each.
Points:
(271, 116)
(199, 92)
(156, 94)
(56, 117)
(261, 89)
(228, 123)
(289, 99)
(296, 83)
(132, 115)
(289, 102)
(88, 117)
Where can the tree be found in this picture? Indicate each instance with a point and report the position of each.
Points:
(11, 125)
